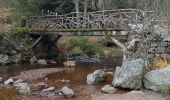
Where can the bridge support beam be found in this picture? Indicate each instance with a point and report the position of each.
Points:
(36, 42)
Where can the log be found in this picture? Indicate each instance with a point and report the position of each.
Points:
(36, 42)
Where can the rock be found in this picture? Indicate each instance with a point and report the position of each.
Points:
(18, 81)
(3, 59)
(67, 92)
(23, 88)
(33, 60)
(46, 79)
(63, 81)
(42, 62)
(129, 75)
(69, 63)
(86, 59)
(160, 30)
(38, 86)
(9, 82)
(158, 80)
(1, 79)
(168, 50)
(96, 77)
(48, 89)
(108, 89)
(110, 73)
(52, 62)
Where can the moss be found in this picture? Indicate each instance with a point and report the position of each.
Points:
(18, 30)
(14, 31)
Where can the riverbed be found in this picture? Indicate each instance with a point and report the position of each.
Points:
(76, 76)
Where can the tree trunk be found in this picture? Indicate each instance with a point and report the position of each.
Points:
(85, 6)
(76, 2)
(101, 4)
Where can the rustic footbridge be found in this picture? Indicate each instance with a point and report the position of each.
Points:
(91, 23)
(117, 23)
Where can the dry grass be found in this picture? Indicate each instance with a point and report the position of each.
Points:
(160, 63)
(8, 94)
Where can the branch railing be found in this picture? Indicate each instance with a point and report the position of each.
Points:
(107, 19)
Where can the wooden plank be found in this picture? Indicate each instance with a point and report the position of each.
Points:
(79, 30)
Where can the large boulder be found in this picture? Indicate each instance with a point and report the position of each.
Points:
(23, 88)
(96, 77)
(158, 80)
(108, 89)
(67, 92)
(129, 75)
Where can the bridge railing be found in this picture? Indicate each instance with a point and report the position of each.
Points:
(100, 20)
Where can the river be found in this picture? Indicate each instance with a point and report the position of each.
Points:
(76, 76)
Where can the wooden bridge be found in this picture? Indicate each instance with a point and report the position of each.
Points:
(116, 22)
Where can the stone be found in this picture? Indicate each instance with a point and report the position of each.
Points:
(129, 75)
(3, 59)
(42, 62)
(157, 80)
(160, 50)
(23, 88)
(52, 62)
(64, 81)
(160, 30)
(87, 59)
(1, 79)
(168, 50)
(108, 89)
(67, 92)
(18, 81)
(38, 86)
(48, 89)
(33, 60)
(9, 81)
(69, 63)
(96, 77)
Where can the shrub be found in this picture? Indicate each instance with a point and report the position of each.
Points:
(86, 47)
(165, 89)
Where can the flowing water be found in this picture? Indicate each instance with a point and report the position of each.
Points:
(76, 76)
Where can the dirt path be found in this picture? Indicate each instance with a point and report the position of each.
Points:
(37, 73)
(134, 95)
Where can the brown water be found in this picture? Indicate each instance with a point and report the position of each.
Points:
(76, 75)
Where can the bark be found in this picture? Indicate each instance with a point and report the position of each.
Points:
(101, 4)
(85, 6)
(76, 2)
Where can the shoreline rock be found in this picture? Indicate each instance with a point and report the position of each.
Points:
(129, 75)
(23, 88)
(158, 80)
(96, 77)
(108, 89)
(67, 92)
